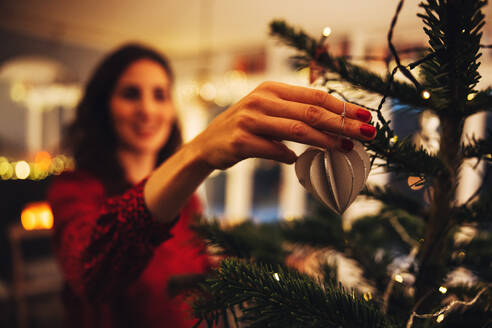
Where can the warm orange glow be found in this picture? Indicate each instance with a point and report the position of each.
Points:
(37, 216)
(416, 183)
(43, 160)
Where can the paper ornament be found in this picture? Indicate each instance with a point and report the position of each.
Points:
(334, 177)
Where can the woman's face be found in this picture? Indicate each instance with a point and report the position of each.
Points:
(141, 107)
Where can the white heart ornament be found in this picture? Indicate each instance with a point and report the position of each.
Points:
(335, 178)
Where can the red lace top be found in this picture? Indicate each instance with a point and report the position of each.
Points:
(116, 259)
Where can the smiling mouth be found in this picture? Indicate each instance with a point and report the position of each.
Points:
(145, 131)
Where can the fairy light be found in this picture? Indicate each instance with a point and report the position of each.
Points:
(393, 140)
(22, 170)
(327, 31)
(37, 215)
(470, 96)
(426, 94)
(276, 276)
(367, 296)
(439, 315)
(398, 278)
(443, 290)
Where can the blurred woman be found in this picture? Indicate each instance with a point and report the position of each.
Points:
(122, 217)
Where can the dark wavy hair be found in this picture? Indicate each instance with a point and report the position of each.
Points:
(92, 138)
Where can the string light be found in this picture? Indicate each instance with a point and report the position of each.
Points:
(367, 296)
(393, 140)
(22, 170)
(470, 96)
(443, 290)
(276, 276)
(398, 278)
(42, 167)
(327, 31)
(426, 94)
(37, 215)
(441, 313)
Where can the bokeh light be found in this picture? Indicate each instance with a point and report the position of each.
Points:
(22, 170)
(37, 215)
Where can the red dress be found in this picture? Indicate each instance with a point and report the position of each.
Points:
(116, 259)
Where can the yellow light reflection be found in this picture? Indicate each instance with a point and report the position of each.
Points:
(37, 216)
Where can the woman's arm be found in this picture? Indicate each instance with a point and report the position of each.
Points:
(254, 127)
(102, 244)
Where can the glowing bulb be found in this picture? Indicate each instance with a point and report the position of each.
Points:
(276, 276)
(470, 96)
(393, 140)
(367, 296)
(488, 156)
(37, 216)
(398, 278)
(326, 31)
(426, 94)
(22, 170)
(440, 318)
(208, 92)
(443, 290)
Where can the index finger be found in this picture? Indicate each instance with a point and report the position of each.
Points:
(320, 98)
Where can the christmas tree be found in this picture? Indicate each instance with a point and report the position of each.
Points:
(408, 250)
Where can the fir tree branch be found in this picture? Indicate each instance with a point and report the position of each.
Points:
(262, 242)
(278, 297)
(482, 101)
(354, 74)
(396, 200)
(481, 148)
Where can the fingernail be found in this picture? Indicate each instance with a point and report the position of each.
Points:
(367, 130)
(363, 115)
(347, 145)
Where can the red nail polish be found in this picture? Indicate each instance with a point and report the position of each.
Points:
(363, 115)
(346, 145)
(367, 130)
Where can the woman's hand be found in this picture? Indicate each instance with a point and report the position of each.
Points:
(272, 112)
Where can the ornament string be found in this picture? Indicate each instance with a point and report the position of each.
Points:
(445, 309)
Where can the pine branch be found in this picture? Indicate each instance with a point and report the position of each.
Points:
(278, 297)
(262, 242)
(481, 148)
(316, 232)
(354, 74)
(396, 200)
(454, 31)
(482, 101)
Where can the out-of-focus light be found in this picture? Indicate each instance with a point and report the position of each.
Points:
(398, 278)
(57, 165)
(440, 318)
(236, 76)
(208, 92)
(470, 96)
(416, 183)
(443, 290)
(18, 92)
(43, 160)
(6, 170)
(37, 216)
(276, 276)
(326, 31)
(367, 296)
(22, 170)
(426, 94)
